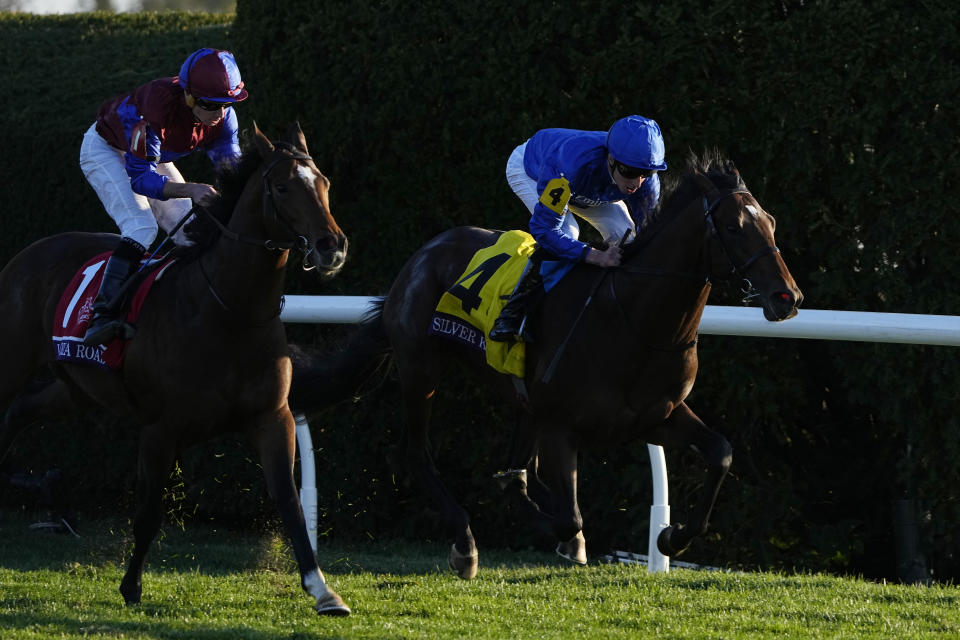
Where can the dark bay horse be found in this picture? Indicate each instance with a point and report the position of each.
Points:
(210, 355)
(613, 359)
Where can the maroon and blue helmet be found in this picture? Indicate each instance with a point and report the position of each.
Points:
(212, 75)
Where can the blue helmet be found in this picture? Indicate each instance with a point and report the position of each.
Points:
(636, 142)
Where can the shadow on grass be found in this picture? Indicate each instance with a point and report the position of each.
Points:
(216, 552)
(109, 543)
(143, 626)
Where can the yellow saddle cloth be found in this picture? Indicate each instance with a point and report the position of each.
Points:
(467, 310)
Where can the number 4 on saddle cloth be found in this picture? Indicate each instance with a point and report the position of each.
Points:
(468, 309)
(75, 311)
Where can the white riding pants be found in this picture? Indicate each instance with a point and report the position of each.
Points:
(611, 220)
(137, 216)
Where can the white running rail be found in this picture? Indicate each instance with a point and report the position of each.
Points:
(817, 324)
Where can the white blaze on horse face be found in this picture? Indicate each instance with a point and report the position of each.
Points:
(309, 178)
(753, 211)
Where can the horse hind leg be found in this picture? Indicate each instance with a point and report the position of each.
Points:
(24, 353)
(46, 401)
(683, 428)
(417, 404)
(275, 441)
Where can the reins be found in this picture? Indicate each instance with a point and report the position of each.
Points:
(709, 206)
(269, 244)
(225, 307)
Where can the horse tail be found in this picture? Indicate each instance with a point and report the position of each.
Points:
(322, 380)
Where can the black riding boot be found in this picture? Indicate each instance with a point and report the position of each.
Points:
(509, 323)
(108, 322)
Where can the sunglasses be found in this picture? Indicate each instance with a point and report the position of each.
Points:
(208, 105)
(632, 172)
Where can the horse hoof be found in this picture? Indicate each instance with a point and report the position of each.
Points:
(331, 604)
(504, 478)
(665, 542)
(131, 593)
(464, 564)
(574, 549)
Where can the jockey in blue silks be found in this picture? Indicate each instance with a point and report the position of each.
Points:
(127, 157)
(608, 178)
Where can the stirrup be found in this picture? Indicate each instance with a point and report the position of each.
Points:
(107, 330)
(503, 333)
(511, 334)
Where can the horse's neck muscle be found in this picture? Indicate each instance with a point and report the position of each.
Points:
(247, 277)
(666, 308)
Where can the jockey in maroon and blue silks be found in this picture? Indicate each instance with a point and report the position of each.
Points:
(127, 157)
(608, 178)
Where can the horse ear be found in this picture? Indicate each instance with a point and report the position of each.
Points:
(264, 146)
(295, 136)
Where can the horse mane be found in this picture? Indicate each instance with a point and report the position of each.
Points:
(677, 190)
(230, 183)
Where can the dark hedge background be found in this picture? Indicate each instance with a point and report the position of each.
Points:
(842, 118)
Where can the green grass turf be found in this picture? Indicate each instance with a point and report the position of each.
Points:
(205, 584)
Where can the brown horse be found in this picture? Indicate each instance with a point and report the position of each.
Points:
(210, 355)
(613, 358)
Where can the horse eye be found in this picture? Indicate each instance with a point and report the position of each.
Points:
(280, 188)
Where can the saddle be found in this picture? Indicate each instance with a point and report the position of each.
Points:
(75, 311)
(466, 311)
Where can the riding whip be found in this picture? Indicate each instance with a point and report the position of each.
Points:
(548, 375)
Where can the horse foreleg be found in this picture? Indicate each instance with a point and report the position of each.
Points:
(557, 459)
(683, 428)
(417, 402)
(521, 482)
(276, 443)
(155, 461)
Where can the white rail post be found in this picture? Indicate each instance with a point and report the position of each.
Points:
(659, 510)
(308, 478)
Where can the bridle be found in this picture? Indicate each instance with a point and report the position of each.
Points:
(300, 242)
(712, 234)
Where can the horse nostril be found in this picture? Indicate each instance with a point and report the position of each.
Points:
(326, 243)
(784, 297)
